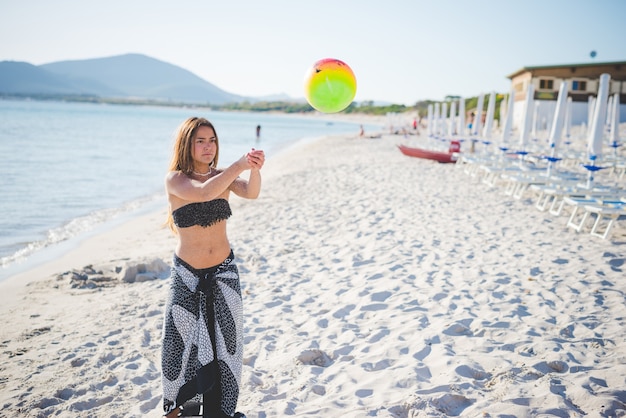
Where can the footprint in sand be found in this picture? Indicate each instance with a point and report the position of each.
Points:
(36, 332)
(567, 332)
(452, 404)
(90, 404)
(64, 394)
(364, 393)
(77, 362)
(110, 380)
(449, 404)
(145, 341)
(380, 296)
(439, 296)
(472, 373)
(546, 367)
(16, 352)
(314, 357)
(255, 381)
(343, 312)
(373, 307)
(47, 402)
(380, 365)
(457, 329)
(616, 263)
(322, 323)
(319, 390)
(423, 353)
(106, 358)
(150, 405)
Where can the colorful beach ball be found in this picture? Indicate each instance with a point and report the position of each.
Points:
(330, 85)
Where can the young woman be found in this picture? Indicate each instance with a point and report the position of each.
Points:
(202, 350)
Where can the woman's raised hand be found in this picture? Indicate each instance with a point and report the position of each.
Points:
(252, 160)
(256, 158)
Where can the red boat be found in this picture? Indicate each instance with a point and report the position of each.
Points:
(439, 156)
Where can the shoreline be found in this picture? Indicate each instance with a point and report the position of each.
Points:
(64, 249)
(50, 251)
(374, 284)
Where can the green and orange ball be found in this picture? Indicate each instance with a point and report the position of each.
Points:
(330, 85)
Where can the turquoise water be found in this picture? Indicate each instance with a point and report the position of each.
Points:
(66, 168)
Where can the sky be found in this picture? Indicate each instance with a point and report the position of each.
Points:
(401, 51)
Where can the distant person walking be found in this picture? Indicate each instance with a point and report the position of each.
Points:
(258, 132)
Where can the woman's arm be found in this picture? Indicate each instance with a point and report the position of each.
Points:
(250, 189)
(178, 184)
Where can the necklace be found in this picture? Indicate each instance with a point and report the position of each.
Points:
(203, 174)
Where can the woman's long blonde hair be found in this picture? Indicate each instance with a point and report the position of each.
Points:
(182, 157)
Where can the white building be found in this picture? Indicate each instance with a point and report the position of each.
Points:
(583, 80)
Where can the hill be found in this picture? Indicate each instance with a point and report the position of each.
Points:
(24, 78)
(132, 76)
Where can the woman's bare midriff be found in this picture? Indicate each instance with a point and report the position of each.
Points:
(203, 247)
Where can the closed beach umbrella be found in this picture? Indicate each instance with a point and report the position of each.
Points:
(591, 102)
(594, 137)
(436, 120)
(461, 129)
(508, 121)
(535, 119)
(557, 125)
(614, 137)
(568, 118)
(477, 122)
(559, 118)
(430, 120)
(491, 108)
(451, 125)
(527, 116)
(503, 107)
(609, 113)
(444, 118)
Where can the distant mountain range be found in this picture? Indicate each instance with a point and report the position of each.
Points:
(129, 76)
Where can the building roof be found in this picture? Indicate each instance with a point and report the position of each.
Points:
(563, 66)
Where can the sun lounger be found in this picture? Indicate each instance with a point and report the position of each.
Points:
(579, 196)
(517, 185)
(609, 214)
(551, 195)
(605, 209)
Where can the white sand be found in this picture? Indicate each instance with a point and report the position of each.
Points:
(375, 285)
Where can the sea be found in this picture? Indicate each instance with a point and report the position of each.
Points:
(70, 169)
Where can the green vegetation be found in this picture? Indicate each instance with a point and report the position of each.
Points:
(369, 108)
(472, 103)
(366, 107)
(284, 107)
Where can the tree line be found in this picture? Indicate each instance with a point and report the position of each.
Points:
(365, 107)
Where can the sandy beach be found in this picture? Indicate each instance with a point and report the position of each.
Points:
(374, 284)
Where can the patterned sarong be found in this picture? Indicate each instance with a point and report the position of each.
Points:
(203, 316)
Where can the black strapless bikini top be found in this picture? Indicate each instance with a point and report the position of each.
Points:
(202, 213)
